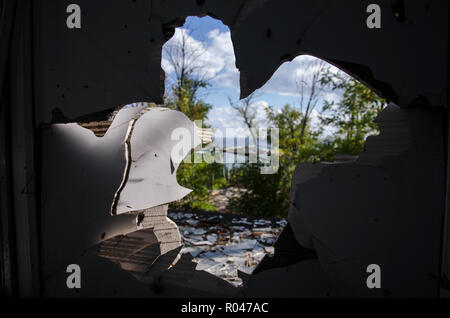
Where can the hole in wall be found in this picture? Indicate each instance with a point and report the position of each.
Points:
(99, 128)
(235, 213)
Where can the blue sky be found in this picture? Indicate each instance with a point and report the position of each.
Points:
(213, 38)
(200, 27)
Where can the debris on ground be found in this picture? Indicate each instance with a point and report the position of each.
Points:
(222, 244)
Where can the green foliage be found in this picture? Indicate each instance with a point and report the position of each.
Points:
(259, 193)
(202, 178)
(268, 194)
(184, 98)
(353, 116)
(296, 146)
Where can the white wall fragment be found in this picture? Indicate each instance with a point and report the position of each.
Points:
(128, 168)
(150, 174)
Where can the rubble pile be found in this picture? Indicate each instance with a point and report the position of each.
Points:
(222, 244)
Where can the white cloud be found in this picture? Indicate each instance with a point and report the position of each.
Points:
(167, 67)
(284, 80)
(328, 131)
(214, 58)
(224, 117)
(217, 62)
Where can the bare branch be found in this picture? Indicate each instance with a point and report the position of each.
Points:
(246, 109)
(310, 90)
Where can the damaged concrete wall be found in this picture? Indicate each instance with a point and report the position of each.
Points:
(108, 196)
(115, 57)
(384, 208)
(394, 192)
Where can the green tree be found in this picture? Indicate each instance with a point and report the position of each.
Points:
(353, 115)
(259, 193)
(184, 96)
(353, 118)
(268, 194)
(202, 177)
